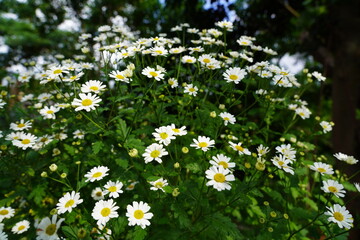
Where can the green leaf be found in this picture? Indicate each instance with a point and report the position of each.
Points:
(70, 149)
(38, 193)
(121, 162)
(69, 232)
(96, 147)
(139, 233)
(119, 225)
(122, 129)
(194, 167)
(168, 189)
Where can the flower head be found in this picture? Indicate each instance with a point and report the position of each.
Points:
(340, 215)
(138, 214)
(86, 102)
(104, 210)
(93, 86)
(234, 75)
(20, 227)
(154, 152)
(158, 184)
(164, 135)
(331, 186)
(96, 174)
(203, 143)
(237, 147)
(219, 178)
(68, 202)
(191, 89)
(113, 188)
(222, 160)
(228, 118)
(47, 229)
(346, 158)
(322, 168)
(6, 212)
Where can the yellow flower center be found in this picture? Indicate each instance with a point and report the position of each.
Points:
(105, 212)
(176, 130)
(202, 144)
(73, 77)
(154, 74)
(69, 203)
(86, 102)
(284, 73)
(21, 227)
(332, 189)
(338, 216)
(4, 212)
(164, 135)
(206, 60)
(138, 214)
(50, 112)
(224, 164)
(322, 170)
(233, 77)
(97, 174)
(119, 76)
(155, 154)
(159, 185)
(99, 194)
(244, 43)
(57, 71)
(44, 139)
(239, 148)
(189, 60)
(192, 89)
(219, 177)
(94, 88)
(158, 52)
(280, 163)
(226, 118)
(21, 125)
(25, 141)
(51, 229)
(112, 189)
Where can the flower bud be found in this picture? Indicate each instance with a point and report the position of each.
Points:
(53, 167)
(175, 192)
(44, 174)
(185, 150)
(176, 165)
(63, 175)
(213, 114)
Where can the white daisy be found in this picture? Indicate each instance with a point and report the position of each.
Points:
(6, 212)
(234, 75)
(79, 134)
(222, 160)
(20, 126)
(326, 126)
(104, 210)
(131, 185)
(340, 215)
(154, 152)
(191, 89)
(322, 168)
(97, 194)
(3, 236)
(228, 118)
(287, 151)
(319, 76)
(152, 73)
(346, 158)
(188, 59)
(282, 163)
(158, 184)
(138, 214)
(93, 86)
(331, 186)
(113, 188)
(119, 76)
(68, 202)
(49, 112)
(56, 71)
(96, 174)
(262, 150)
(86, 102)
(164, 135)
(26, 140)
(47, 229)
(203, 143)
(237, 147)
(178, 131)
(21, 227)
(173, 82)
(219, 178)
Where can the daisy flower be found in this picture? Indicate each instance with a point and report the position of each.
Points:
(203, 143)
(44, 96)
(188, 59)
(303, 112)
(56, 71)
(219, 178)
(340, 215)
(68, 202)
(96, 174)
(20, 126)
(346, 158)
(237, 147)
(113, 188)
(282, 163)
(49, 112)
(222, 160)
(26, 140)
(154, 152)
(138, 214)
(86, 102)
(322, 168)
(104, 210)
(173, 82)
(262, 150)
(2, 103)
(326, 126)
(131, 185)
(97, 194)
(287, 151)
(21, 227)
(47, 229)
(158, 184)
(164, 135)
(191, 89)
(119, 76)
(178, 131)
(228, 118)
(93, 86)
(152, 73)
(331, 186)
(3, 236)
(234, 75)
(79, 134)
(6, 212)
(318, 76)
(205, 59)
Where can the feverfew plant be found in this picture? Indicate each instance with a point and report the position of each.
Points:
(191, 138)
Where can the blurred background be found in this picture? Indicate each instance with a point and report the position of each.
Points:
(322, 35)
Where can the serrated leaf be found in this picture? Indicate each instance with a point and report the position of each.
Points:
(121, 162)
(96, 147)
(119, 225)
(139, 233)
(168, 189)
(194, 167)
(122, 129)
(70, 149)
(69, 232)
